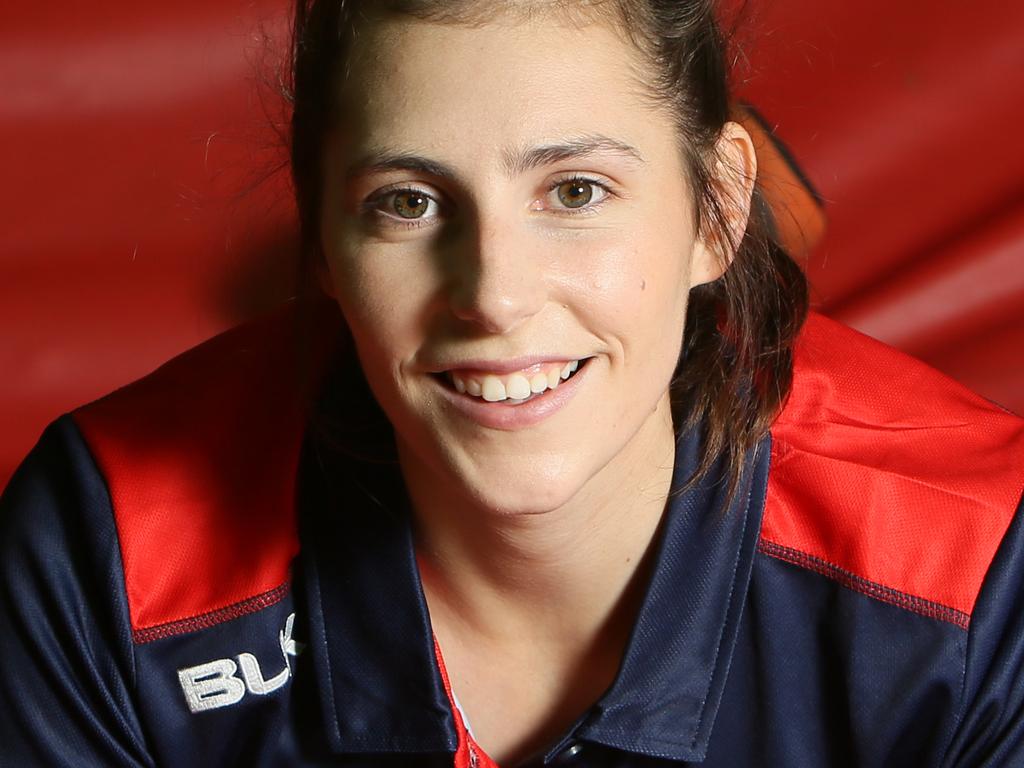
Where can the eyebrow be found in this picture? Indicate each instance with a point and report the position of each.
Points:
(514, 162)
(384, 160)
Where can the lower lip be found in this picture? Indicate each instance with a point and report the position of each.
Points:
(502, 415)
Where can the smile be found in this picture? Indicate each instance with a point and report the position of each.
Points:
(514, 388)
(512, 399)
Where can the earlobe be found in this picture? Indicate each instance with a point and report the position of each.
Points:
(734, 173)
(707, 264)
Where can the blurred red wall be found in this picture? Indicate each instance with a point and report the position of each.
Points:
(145, 207)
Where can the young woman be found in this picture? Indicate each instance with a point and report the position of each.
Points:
(577, 486)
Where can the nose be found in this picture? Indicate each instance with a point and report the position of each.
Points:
(498, 281)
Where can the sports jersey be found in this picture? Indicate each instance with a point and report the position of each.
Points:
(191, 574)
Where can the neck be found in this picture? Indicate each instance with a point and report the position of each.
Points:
(558, 577)
(533, 611)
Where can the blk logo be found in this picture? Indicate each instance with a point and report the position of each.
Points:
(216, 684)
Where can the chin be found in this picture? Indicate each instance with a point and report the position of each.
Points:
(515, 487)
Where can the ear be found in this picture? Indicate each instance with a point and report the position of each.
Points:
(733, 171)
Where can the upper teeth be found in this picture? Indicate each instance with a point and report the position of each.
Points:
(514, 386)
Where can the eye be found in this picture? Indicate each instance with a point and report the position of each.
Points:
(410, 204)
(404, 206)
(577, 194)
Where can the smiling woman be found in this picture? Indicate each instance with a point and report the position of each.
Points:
(603, 221)
(547, 465)
(498, 277)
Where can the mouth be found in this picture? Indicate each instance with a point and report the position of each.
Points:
(512, 388)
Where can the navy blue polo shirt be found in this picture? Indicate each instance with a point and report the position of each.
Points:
(160, 605)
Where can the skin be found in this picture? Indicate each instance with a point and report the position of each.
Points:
(533, 543)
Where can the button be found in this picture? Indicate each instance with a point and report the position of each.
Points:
(569, 755)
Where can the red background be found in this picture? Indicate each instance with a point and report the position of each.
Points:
(145, 208)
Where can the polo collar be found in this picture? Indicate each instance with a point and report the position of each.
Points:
(370, 636)
(372, 643)
(665, 697)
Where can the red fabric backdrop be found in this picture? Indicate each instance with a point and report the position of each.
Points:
(144, 210)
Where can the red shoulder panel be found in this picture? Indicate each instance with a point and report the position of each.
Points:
(888, 476)
(200, 460)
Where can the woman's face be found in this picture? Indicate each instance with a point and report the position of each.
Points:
(504, 205)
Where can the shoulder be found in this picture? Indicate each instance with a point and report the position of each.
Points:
(56, 502)
(888, 476)
(199, 459)
(63, 619)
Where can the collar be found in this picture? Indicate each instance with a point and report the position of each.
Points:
(370, 638)
(665, 698)
(371, 641)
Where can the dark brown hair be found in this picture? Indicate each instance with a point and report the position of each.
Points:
(735, 369)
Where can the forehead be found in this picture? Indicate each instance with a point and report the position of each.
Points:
(511, 83)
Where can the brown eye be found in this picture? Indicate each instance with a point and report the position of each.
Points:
(411, 205)
(576, 193)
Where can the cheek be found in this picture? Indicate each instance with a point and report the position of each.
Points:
(633, 291)
(381, 294)
(663, 258)
(381, 308)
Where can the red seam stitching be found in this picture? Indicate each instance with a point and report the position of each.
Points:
(212, 618)
(873, 589)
